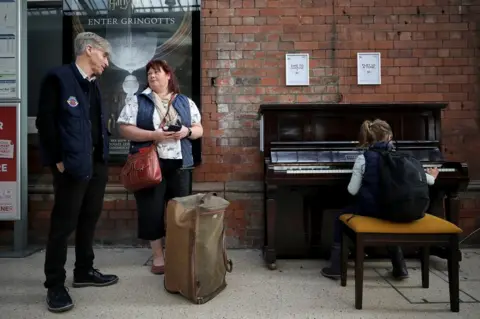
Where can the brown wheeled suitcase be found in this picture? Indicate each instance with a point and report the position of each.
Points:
(195, 254)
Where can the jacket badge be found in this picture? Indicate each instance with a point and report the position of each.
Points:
(72, 101)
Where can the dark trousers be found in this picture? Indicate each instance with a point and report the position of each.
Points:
(152, 201)
(77, 207)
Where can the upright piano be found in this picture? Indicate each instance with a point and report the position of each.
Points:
(309, 151)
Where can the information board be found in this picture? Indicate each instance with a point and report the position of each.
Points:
(8, 49)
(297, 69)
(9, 162)
(369, 68)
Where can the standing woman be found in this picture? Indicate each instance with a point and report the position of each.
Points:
(143, 120)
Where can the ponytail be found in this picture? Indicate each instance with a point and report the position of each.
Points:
(374, 131)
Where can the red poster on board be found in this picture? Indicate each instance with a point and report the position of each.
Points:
(8, 162)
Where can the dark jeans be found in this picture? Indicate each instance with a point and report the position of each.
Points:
(151, 202)
(77, 207)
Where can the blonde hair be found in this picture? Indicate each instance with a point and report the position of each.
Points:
(376, 131)
(83, 39)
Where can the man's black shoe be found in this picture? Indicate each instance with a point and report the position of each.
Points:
(58, 299)
(93, 278)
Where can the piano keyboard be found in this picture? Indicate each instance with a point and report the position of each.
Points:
(332, 170)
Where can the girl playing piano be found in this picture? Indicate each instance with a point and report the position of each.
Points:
(364, 185)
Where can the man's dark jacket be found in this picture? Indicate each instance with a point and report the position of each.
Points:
(68, 106)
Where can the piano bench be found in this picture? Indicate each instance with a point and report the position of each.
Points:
(429, 231)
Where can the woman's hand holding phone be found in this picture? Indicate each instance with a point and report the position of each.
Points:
(181, 134)
(160, 135)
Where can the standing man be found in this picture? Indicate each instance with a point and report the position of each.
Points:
(74, 144)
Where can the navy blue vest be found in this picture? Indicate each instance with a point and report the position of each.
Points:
(146, 107)
(369, 192)
(74, 123)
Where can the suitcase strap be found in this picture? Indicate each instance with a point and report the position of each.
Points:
(228, 262)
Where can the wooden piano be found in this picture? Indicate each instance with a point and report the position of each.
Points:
(309, 151)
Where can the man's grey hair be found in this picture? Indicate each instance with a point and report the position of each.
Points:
(84, 39)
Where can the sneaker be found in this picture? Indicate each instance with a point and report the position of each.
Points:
(93, 278)
(399, 271)
(331, 273)
(58, 299)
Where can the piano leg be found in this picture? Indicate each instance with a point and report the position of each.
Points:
(452, 208)
(269, 253)
(452, 214)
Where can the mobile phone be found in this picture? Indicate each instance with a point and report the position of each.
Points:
(172, 128)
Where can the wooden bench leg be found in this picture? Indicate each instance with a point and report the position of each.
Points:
(454, 275)
(359, 257)
(343, 259)
(425, 262)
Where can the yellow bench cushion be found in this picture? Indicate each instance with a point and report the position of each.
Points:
(427, 225)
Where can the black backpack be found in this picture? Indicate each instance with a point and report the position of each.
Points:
(404, 192)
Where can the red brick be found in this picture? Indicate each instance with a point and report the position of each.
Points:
(108, 204)
(121, 204)
(247, 12)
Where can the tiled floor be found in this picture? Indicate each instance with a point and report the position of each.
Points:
(295, 290)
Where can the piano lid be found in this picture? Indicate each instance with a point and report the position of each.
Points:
(354, 107)
(301, 124)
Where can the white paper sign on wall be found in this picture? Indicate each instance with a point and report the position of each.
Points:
(369, 70)
(297, 69)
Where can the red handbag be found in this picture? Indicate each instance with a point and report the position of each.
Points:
(141, 170)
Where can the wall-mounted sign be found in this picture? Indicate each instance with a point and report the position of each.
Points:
(369, 68)
(8, 50)
(9, 163)
(297, 69)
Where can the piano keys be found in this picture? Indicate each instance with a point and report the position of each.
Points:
(326, 169)
(309, 151)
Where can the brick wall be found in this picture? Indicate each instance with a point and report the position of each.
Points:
(428, 54)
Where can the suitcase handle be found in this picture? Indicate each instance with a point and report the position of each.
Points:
(207, 195)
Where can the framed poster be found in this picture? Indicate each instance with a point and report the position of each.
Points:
(9, 161)
(297, 69)
(9, 47)
(369, 68)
